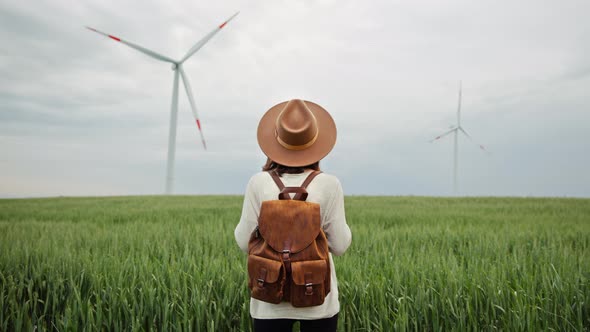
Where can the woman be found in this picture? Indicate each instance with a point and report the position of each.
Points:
(295, 135)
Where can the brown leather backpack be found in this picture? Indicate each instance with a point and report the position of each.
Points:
(288, 252)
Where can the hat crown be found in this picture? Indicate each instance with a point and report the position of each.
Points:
(296, 126)
(296, 133)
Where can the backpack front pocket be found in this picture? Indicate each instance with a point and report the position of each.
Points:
(308, 283)
(265, 279)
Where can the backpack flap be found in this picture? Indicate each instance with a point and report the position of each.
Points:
(295, 220)
(266, 276)
(308, 282)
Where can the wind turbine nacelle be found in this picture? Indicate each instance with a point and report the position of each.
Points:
(174, 66)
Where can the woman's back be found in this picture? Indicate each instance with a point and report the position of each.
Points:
(325, 190)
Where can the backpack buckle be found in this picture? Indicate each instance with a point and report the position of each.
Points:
(287, 260)
(309, 289)
(286, 255)
(308, 284)
(261, 277)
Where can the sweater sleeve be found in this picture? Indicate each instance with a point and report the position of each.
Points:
(335, 227)
(249, 219)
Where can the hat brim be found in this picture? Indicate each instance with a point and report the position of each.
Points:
(324, 143)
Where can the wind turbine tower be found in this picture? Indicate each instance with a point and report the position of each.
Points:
(455, 131)
(178, 72)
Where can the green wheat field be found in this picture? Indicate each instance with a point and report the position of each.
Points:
(416, 263)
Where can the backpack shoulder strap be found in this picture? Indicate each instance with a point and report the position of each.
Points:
(310, 177)
(277, 179)
(284, 191)
(302, 196)
(300, 192)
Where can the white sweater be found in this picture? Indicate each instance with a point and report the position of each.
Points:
(325, 190)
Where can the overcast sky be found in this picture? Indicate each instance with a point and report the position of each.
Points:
(83, 115)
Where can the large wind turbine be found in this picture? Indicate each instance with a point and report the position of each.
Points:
(456, 129)
(177, 68)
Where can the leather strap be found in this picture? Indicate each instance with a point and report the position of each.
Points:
(287, 255)
(310, 177)
(277, 179)
(261, 277)
(300, 192)
(308, 283)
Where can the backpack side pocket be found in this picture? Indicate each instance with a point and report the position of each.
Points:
(265, 279)
(308, 283)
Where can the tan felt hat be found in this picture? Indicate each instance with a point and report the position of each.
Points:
(296, 133)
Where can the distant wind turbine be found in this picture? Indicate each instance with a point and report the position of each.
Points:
(456, 129)
(177, 68)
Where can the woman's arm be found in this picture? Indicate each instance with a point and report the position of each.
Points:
(249, 218)
(335, 227)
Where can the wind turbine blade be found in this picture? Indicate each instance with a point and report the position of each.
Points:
(191, 100)
(443, 135)
(137, 47)
(205, 39)
(471, 139)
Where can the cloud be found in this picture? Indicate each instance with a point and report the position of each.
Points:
(83, 115)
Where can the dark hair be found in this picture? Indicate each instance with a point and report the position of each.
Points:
(281, 169)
